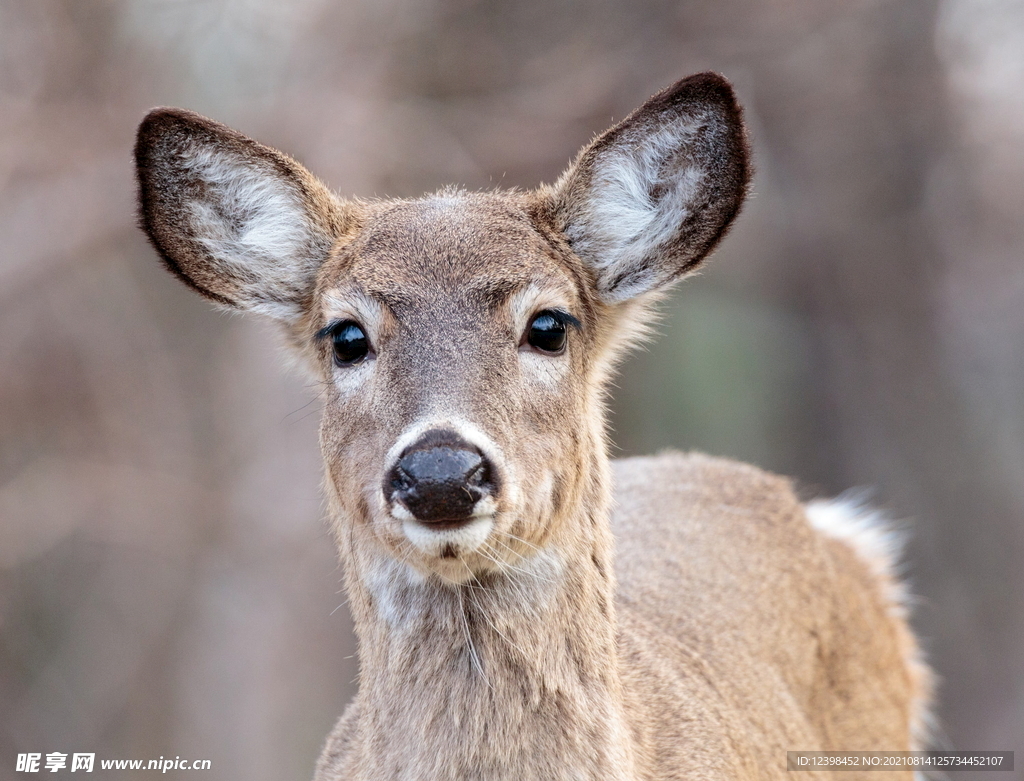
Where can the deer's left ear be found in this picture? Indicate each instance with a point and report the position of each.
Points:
(652, 196)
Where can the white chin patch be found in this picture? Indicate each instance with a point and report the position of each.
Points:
(448, 543)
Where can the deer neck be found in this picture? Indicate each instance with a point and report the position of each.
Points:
(513, 671)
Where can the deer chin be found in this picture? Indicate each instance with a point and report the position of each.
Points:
(448, 542)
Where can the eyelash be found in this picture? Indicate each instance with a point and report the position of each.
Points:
(561, 316)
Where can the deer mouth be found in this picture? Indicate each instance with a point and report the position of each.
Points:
(448, 540)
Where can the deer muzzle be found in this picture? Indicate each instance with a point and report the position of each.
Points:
(441, 479)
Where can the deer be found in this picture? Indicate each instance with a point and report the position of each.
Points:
(525, 607)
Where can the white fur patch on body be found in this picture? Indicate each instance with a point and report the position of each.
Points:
(387, 580)
(871, 536)
(878, 544)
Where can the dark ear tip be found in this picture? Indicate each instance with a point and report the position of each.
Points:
(714, 89)
(157, 124)
(164, 117)
(169, 115)
(708, 87)
(166, 121)
(709, 80)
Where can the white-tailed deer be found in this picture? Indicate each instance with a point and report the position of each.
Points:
(465, 341)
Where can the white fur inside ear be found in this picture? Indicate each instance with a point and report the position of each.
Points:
(253, 222)
(639, 197)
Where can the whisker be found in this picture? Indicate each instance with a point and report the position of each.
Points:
(525, 602)
(522, 571)
(316, 398)
(497, 631)
(469, 635)
(525, 542)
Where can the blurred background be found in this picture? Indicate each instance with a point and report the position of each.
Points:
(167, 585)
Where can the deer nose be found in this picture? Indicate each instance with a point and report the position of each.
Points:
(440, 479)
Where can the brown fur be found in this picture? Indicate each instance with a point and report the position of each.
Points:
(725, 630)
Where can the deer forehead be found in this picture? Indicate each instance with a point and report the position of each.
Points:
(450, 256)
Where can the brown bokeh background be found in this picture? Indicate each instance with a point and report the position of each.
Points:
(167, 585)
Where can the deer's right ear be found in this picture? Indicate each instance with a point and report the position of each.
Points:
(652, 196)
(241, 223)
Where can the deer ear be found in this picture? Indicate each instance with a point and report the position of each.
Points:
(652, 196)
(237, 221)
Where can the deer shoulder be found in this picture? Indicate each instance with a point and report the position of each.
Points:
(760, 604)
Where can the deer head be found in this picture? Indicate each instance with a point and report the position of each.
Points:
(463, 339)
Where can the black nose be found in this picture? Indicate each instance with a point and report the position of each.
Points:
(440, 479)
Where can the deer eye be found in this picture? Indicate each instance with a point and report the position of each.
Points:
(349, 342)
(547, 332)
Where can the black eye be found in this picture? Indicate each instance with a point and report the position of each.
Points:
(349, 342)
(547, 332)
